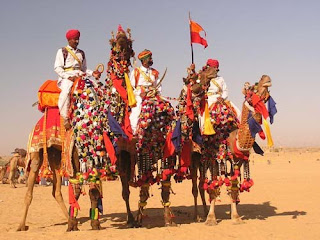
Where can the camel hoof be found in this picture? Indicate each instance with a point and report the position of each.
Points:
(237, 221)
(197, 218)
(22, 228)
(172, 224)
(95, 224)
(131, 224)
(72, 225)
(211, 222)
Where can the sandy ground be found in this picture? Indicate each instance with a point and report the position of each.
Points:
(283, 204)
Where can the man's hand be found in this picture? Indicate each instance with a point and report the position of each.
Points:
(96, 75)
(72, 79)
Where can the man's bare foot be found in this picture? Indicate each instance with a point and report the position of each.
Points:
(67, 124)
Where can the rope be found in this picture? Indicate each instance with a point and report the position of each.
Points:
(44, 137)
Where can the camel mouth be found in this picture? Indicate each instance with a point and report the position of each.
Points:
(267, 84)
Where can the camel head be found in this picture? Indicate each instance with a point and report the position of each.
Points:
(263, 86)
(121, 45)
(201, 81)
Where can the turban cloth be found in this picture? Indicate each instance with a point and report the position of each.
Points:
(73, 33)
(144, 54)
(213, 63)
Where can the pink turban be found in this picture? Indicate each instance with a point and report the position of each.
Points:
(73, 33)
(213, 63)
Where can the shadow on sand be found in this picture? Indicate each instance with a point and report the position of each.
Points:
(184, 215)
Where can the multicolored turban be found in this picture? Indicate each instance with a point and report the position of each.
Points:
(213, 63)
(144, 54)
(73, 33)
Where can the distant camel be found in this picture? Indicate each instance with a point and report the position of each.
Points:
(8, 172)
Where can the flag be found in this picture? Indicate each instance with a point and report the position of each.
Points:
(257, 149)
(253, 125)
(259, 105)
(272, 108)
(169, 148)
(195, 30)
(176, 136)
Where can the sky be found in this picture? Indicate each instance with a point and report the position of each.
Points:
(249, 38)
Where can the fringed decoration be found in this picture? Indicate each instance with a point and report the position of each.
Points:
(63, 154)
(45, 172)
(72, 199)
(268, 133)
(94, 213)
(131, 98)
(208, 128)
(73, 212)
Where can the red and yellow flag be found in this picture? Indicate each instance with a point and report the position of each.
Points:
(195, 30)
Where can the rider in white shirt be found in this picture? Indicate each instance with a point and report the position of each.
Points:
(70, 63)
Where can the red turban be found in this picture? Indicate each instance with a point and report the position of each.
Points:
(73, 33)
(144, 54)
(213, 63)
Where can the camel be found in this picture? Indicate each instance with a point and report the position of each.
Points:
(18, 160)
(153, 128)
(9, 171)
(197, 84)
(116, 126)
(240, 141)
(36, 153)
(48, 147)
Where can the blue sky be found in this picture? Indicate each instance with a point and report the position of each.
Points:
(249, 37)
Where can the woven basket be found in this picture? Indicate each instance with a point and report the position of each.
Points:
(245, 139)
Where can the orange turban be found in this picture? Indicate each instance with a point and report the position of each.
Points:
(144, 54)
(73, 33)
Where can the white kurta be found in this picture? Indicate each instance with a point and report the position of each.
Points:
(63, 82)
(141, 83)
(214, 92)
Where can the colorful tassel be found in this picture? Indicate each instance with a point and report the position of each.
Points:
(131, 98)
(208, 128)
(268, 133)
(94, 213)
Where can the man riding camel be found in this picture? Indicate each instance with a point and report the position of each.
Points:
(217, 91)
(70, 63)
(144, 81)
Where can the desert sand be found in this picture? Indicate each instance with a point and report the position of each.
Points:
(283, 204)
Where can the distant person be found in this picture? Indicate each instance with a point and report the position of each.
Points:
(70, 63)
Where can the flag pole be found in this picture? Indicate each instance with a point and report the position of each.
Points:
(191, 38)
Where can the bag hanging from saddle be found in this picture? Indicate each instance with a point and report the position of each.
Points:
(48, 95)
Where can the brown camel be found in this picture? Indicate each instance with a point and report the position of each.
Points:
(35, 158)
(117, 107)
(46, 149)
(244, 141)
(198, 84)
(17, 160)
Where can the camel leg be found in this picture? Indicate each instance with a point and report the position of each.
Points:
(211, 218)
(76, 190)
(124, 176)
(35, 165)
(73, 211)
(165, 195)
(202, 193)
(13, 169)
(94, 194)
(144, 195)
(233, 192)
(194, 176)
(56, 192)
